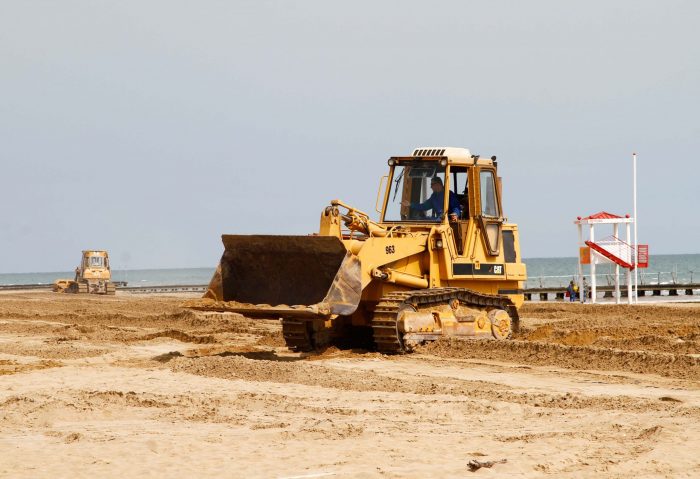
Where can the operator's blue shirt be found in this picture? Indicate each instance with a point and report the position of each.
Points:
(435, 203)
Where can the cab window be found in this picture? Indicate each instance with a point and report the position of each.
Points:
(410, 192)
(459, 185)
(489, 206)
(96, 262)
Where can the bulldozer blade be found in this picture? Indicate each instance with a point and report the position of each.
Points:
(302, 276)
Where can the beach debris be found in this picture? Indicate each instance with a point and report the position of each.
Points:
(475, 464)
(72, 437)
(649, 432)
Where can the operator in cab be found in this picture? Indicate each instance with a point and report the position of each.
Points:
(436, 201)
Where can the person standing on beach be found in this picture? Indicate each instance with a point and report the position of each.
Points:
(572, 291)
(584, 292)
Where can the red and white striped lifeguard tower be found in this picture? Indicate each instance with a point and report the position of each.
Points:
(610, 249)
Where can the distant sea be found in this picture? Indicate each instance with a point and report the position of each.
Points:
(678, 268)
(134, 277)
(663, 268)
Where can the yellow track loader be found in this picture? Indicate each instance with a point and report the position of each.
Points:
(441, 261)
(92, 276)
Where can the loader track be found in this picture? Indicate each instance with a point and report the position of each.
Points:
(384, 322)
(303, 336)
(297, 335)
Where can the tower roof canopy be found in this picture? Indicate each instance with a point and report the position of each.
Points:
(603, 217)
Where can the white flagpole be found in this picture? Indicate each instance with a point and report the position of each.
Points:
(636, 243)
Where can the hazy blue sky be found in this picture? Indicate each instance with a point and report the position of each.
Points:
(149, 128)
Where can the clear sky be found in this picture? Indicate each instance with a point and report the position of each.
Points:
(149, 128)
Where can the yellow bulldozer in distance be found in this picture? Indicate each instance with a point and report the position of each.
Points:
(92, 276)
(441, 261)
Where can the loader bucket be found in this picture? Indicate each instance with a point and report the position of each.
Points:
(302, 274)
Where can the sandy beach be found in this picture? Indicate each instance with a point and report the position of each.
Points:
(135, 386)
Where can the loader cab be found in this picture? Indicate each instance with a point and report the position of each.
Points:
(471, 179)
(411, 189)
(95, 260)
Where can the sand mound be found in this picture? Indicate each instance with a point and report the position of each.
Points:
(578, 357)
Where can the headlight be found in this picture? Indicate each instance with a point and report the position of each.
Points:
(391, 162)
(438, 244)
(443, 162)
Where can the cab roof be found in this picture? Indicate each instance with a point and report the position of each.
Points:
(455, 156)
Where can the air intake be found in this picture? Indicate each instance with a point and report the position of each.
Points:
(429, 152)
